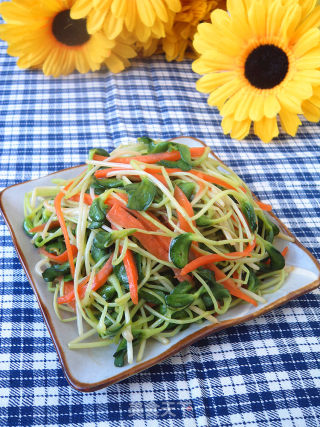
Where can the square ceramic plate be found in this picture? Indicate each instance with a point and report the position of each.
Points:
(93, 369)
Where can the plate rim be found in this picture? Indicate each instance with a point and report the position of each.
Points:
(190, 339)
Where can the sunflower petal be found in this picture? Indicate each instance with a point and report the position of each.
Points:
(310, 111)
(242, 110)
(257, 18)
(266, 129)
(146, 12)
(310, 76)
(226, 124)
(213, 61)
(311, 60)
(119, 8)
(256, 111)
(130, 18)
(289, 122)
(219, 96)
(240, 129)
(308, 41)
(80, 9)
(115, 63)
(160, 10)
(210, 82)
(271, 106)
(231, 104)
(289, 102)
(203, 38)
(112, 26)
(174, 5)
(95, 20)
(312, 20)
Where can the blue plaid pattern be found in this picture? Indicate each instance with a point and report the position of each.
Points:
(265, 372)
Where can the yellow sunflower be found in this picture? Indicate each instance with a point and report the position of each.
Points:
(261, 61)
(143, 18)
(43, 35)
(179, 38)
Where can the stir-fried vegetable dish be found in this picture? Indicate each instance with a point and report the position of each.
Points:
(148, 240)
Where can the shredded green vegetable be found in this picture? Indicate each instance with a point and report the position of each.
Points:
(225, 219)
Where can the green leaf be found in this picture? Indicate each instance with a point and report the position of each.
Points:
(161, 147)
(179, 301)
(218, 290)
(187, 187)
(107, 292)
(57, 270)
(182, 288)
(179, 249)
(97, 213)
(271, 229)
(120, 271)
(253, 282)
(120, 354)
(148, 297)
(97, 253)
(99, 151)
(181, 164)
(102, 239)
(141, 195)
(56, 246)
(184, 151)
(147, 141)
(277, 261)
(103, 184)
(27, 225)
(121, 351)
(248, 211)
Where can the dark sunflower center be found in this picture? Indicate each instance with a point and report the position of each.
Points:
(266, 66)
(72, 32)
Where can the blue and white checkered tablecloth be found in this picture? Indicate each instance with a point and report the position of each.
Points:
(265, 372)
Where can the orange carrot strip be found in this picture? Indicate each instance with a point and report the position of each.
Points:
(102, 173)
(197, 151)
(59, 259)
(212, 179)
(57, 205)
(132, 274)
(208, 259)
(180, 277)
(118, 215)
(40, 227)
(194, 151)
(159, 170)
(86, 198)
(69, 297)
(163, 240)
(264, 206)
(98, 281)
(230, 285)
(183, 201)
(111, 200)
(105, 173)
(201, 186)
(150, 158)
(67, 288)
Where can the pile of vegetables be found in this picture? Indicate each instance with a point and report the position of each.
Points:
(148, 240)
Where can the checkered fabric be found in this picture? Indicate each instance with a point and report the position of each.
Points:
(262, 373)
